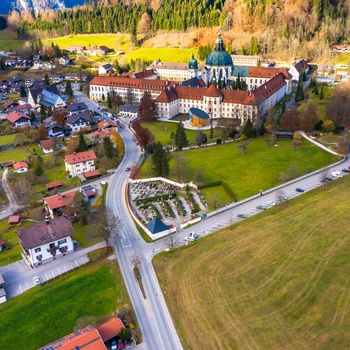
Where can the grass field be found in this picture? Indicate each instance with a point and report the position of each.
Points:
(245, 175)
(278, 280)
(7, 139)
(118, 42)
(15, 154)
(44, 314)
(216, 192)
(9, 41)
(163, 136)
(166, 54)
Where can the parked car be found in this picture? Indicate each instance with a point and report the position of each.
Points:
(120, 345)
(191, 237)
(127, 169)
(299, 189)
(335, 173)
(271, 203)
(37, 280)
(283, 196)
(242, 215)
(346, 170)
(113, 344)
(261, 207)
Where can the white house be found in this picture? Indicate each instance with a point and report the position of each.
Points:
(50, 99)
(47, 240)
(105, 69)
(298, 68)
(18, 119)
(79, 163)
(79, 121)
(46, 145)
(2, 290)
(20, 167)
(128, 111)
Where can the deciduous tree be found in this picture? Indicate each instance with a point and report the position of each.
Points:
(148, 108)
(160, 161)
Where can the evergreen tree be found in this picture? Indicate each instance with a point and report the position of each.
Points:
(116, 67)
(82, 143)
(321, 93)
(32, 115)
(248, 130)
(38, 166)
(211, 131)
(47, 80)
(109, 100)
(160, 161)
(103, 97)
(22, 91)
(42, 113)
(254, 46)
(180, 137)
(242, 50)
(148, 108)
(238, 82)
(108, 147)
(283, 109)
(68, 91)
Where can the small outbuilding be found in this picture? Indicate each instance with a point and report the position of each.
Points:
(199, 118)
(284, 135)
(20, 167)
(14, 219)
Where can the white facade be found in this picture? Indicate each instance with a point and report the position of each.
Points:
(50, 251)
(22, 169)
(79, 168)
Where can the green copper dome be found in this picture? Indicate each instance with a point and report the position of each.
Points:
(219, 57)
(192, 63)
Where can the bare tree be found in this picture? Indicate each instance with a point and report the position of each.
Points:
(281, 196)
(24, 191)
(324, 176)
(171, 241)
(104, 223)
(181, 165)
(199, 177)
(243, 145)
(135, 261)
(215, 201)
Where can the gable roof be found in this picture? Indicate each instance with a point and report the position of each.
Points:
(142, 75)
(103, 124)
(36, 92)
(80, 157)
(269, 88)
(156, 225)
(46, 144)
(265, 72)
(212, 91)
(60, 200)
(42, 233)
(19, 165)
(86, 116)
(14, 116)
(77, 106)
(87, 338)
(110, 328)
(300, 65)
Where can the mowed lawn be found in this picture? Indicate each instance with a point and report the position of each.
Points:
(162, 132)
(44, 314)
(7, 139)
(15, 154)
(277, 280)
(246, 174)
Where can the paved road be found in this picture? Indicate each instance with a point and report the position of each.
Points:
(157, 328)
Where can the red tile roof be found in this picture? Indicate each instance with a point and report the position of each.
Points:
(15, 116)
(92, 173)
(103, 124)
(46, 144)
(268, 89)
(14, 219)
(80, 157)
(139, 83)
(60, 200)
(87, 338)
(268, 73)
(52, 185)
(212, 91)
(19, 165)
(141, 75)
(111, 328)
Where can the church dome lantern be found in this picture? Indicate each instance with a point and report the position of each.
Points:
(192, 63)
(219, 57)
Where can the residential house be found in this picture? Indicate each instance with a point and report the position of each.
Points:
(105, 69)
(18, 120)
(76, 77)
(98, 50)
(55, 78)
(76, 49)
(2, 290)
(20, 167)
(341, 48)
(76, 107)
(37, 58)
(64, 60)
(54, 129)
(107, 124)
(298, 69)
(65, 203)
(50, 100)
(23, 108)
(10, 62)
(128, 111)
(47, 240)
(46, 145)
(10, 104)
(34, 95)
(79, 163)
(80, 121)
(87, 338)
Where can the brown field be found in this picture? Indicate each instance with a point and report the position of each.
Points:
(278, 280)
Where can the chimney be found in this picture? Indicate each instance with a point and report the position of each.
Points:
(47, 220)
(59, 193)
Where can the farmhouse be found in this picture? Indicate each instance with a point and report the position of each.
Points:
(79, 163)
(20, 167)
(105, 69)
(77, 107)
(46, 240)
(65, 203)
(18, 119)
(128, 111)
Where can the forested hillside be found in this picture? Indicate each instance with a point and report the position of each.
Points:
(307, 27)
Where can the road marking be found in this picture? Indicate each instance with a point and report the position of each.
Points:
(20, 287)
(46, 277)
(65, 268)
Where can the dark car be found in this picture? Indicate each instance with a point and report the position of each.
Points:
(127, 169)
(242, 215)
(301, 190)
(346, 170)
(261, 207)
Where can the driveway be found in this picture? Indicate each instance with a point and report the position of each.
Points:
(19, 277)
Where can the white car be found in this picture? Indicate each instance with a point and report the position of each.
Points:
(191, 237)
(272, 203)
(37, 280)
(335, 173)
